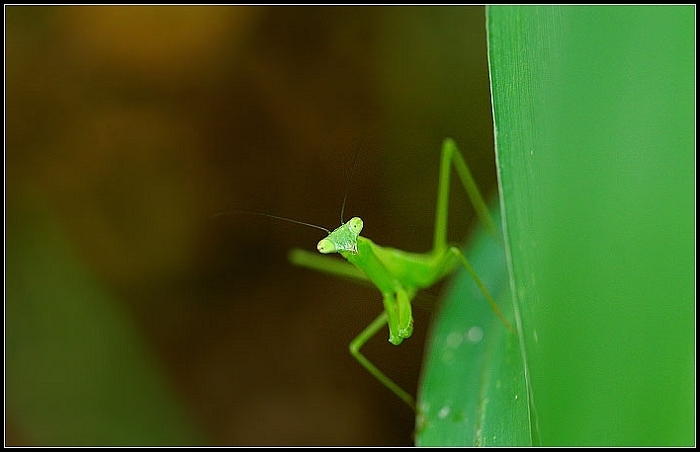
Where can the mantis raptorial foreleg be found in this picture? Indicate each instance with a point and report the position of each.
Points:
(398, 274)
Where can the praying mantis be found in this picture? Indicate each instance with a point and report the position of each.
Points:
(398, 274)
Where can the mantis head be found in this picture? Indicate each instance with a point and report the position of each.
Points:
(342, 239)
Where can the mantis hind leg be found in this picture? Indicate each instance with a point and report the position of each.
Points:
(451, 156)
(357, 344)
(480, 284)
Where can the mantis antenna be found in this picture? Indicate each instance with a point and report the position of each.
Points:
(347, 185)
(269, 215)
(303, 223)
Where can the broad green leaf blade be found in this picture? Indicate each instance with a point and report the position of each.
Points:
(473, 389)
(594, 109)
(77, 371)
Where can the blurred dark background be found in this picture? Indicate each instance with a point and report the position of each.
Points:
(128, 306)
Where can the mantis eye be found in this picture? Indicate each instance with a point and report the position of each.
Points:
(325, 246)
(355, 225)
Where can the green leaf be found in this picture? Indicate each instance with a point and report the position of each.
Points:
(594, 111)
(595, 118)
(473, 388)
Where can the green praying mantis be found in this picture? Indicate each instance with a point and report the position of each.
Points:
(398, 274)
